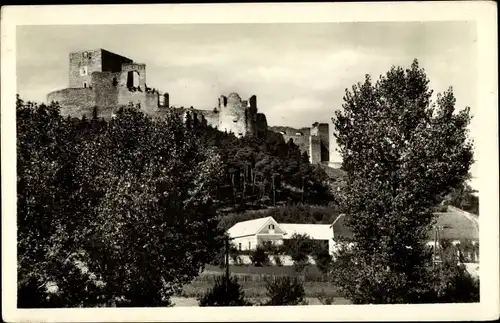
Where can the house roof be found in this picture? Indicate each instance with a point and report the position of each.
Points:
(455, 224)
(314, 231)
(249, 227)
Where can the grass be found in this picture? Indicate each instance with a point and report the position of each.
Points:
(253, 280)
(257, 289)
(312, 272)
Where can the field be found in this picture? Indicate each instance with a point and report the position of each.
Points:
(253, 282)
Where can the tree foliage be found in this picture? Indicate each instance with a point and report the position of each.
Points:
(114, 212)
(285, 290)
(225, 292)
(403, 154)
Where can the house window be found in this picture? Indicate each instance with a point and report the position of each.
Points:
(271, 227)
(83, 70)
(84, 84)
(249, 245)
(239, 246)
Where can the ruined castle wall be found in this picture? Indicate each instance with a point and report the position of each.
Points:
(261, 125)
(140, 69)
(82, 65)
(301, 141)
(74, 102)
(105, 89)
(324, 135)
(314, 149)
(211, 117)
(251, 115)
(232, 115)
(148, 101)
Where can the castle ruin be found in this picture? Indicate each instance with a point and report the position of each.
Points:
(101, 81)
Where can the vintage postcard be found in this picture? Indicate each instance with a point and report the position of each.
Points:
(240, 162)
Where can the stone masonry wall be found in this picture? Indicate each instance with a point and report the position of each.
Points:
(92, 60)
(314, 149)
(105, 88)
(324, 135)
(148, 101)
(301, 141)
(74, 102)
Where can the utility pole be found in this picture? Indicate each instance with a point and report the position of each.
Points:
(227, 264)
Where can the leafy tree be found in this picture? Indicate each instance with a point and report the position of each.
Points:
(225, 292)
(285, 290)
(402, 155)
(465, 198)
(323, 260)
(112, 212)
(299, 246)
(259, 257)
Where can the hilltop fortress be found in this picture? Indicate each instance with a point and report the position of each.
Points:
(101, 81)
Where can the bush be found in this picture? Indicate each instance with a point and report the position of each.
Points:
(259, 257)
(323, 260)
(455, 285)
(325, 299)
(285, 290)
(224, 295)
(277, 260)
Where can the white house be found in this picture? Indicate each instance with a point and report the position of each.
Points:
(247, 235)
(454, 225)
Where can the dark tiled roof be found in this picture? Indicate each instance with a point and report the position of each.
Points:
(455, 224)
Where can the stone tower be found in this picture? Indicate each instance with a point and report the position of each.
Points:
(83, 63)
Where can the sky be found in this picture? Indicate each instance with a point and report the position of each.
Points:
(299, 72)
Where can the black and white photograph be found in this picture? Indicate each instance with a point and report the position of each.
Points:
(249, 166)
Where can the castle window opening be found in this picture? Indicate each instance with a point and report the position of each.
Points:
(132, 79)
(83, 70)
(85, 84)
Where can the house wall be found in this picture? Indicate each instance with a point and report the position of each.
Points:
(245, 241)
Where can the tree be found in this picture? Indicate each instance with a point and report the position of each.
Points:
(402, 155)
(224, 293)
(112, 212)
(464, 197)
(299, 246)
(323, 260)
(259, 257)
(285, 290)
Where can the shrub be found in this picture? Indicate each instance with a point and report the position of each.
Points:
(285, 290)
(277, 260)
(325, 299)
(259, 257)
(455, 284)
(300, 262)
(323, 260)
(222, 294)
